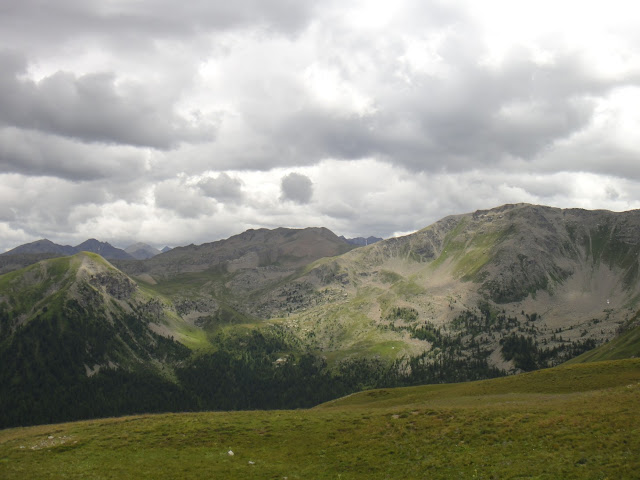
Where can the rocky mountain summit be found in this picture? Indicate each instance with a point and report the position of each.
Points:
(557, 277)
(279, 250)
(47, 247)
(361, 241)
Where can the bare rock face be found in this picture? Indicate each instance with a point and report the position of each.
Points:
(516, 250)
(117, 285)
(564, 279)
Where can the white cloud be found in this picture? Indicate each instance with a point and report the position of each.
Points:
(183, 199)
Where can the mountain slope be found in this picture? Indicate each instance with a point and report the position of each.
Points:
(75, 332)
(80, 339)
(289, 318)
(9, 263)
(214, 282)
(625, 345)
(104, 249)
(550, 281)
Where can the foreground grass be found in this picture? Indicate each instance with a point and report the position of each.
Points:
(573, 422)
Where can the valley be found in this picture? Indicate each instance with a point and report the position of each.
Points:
(289, 318)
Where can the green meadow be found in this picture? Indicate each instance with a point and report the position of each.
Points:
(576, 421)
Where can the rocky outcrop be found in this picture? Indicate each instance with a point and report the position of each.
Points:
(117, 285)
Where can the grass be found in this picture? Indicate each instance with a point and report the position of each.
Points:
(408, 289)
(572, 422)
(479, 252)
(469, 255)
(188, 284)
(344, 330)
(626, 345)
(194, 338)
(31, 286)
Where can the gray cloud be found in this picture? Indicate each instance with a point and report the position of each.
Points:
(44, 206)
(90, 108)
(112, 112)
(66, 19)
(296, 187)
(182, 199)
(472, 115)
(440, 123)
(223, 188)
(34, 153)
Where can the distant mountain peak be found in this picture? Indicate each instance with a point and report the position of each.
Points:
(45, 246)
(141, 251)
(42, 246)
(104, 249)
(361, 241)
(284, 249)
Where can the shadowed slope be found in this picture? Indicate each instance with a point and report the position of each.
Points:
(78, 338)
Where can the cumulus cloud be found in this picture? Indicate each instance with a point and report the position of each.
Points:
(223, 188)
(34, 153)
(194, 116)
(93, 108)
(296, 187)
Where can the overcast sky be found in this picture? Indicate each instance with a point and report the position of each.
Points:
(185, 122)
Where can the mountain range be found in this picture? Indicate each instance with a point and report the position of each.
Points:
(292, 317)
(30, 253)
(138, 251)
(44, 246)
(361, 241)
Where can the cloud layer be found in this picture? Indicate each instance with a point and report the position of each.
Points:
(172, 124)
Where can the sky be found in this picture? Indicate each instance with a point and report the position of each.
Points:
(174, 123)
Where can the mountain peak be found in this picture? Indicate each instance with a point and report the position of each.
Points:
(361, 241)
(104, 249)
(43, 245)
(141, 251)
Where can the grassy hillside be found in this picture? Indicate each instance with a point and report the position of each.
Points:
(569, 422)
(78, 340)
(626, 345)
(291, 318)
(517, 287)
